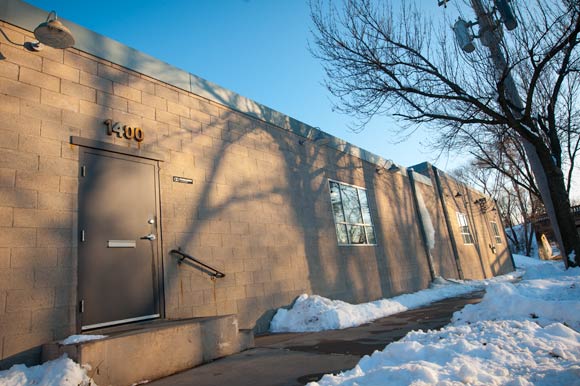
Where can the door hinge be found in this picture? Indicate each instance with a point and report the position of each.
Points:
(82, 306)
(83, 171)
(83, 236)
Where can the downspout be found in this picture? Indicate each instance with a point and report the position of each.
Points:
(492, 243)
(471, 220)
(410, 172)
(504, 235)
(447, 222)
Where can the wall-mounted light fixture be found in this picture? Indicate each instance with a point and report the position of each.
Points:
(394, 168)
(51, 33)
(482, 202)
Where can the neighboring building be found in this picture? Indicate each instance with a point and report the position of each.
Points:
(542, 225)
(111, 159)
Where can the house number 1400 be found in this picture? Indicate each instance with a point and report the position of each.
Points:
(124, 131)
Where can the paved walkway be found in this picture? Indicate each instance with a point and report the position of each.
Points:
(299, 358)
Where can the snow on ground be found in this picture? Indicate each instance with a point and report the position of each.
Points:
(547, 294)
(60, 372)
(520, 334)
(316, 313)
(483, 353)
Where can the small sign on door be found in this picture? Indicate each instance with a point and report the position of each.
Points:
(182, 180)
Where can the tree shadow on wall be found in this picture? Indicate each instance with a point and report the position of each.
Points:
(291, 244)
(274, 204)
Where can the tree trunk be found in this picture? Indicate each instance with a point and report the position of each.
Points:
(515, 240)
(529, 231)
(561, 202)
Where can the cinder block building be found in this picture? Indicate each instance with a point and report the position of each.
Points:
(114, 164)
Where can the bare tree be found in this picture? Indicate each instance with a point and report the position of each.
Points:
(377, 63)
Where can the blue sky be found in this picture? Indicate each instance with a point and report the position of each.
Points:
(256, 48)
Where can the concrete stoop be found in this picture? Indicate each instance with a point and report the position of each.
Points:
(151, 351)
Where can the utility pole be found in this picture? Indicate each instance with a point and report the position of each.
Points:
(490, 37)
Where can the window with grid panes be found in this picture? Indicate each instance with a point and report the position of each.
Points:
(495, 231)
(352, 215)
(464, 228)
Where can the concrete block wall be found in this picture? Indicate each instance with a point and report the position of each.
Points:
(38, 201)
(496, 254)
(484, 258)
(259, 210)
(473, 264)
(442, 252)
(258, 207)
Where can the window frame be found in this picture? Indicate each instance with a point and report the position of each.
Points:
(363, 225)
(496, 233)
(464, 229)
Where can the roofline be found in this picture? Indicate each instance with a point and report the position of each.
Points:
(27, 16)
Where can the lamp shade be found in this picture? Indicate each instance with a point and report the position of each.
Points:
(54, 34)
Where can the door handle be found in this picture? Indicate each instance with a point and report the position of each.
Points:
(150, 236)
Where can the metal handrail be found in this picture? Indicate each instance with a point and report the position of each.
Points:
(216, 274)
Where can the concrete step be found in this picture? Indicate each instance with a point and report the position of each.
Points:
(149, 351)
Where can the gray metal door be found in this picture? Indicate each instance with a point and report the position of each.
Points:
(118, 213)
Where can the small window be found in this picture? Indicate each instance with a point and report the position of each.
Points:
(352, 215)
(495, 231)
(464, 228)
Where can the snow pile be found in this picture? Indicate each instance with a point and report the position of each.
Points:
(73, 339)
(547, 294)
(520, 334)
(484, 353)
(60, 372)
(316, 313)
